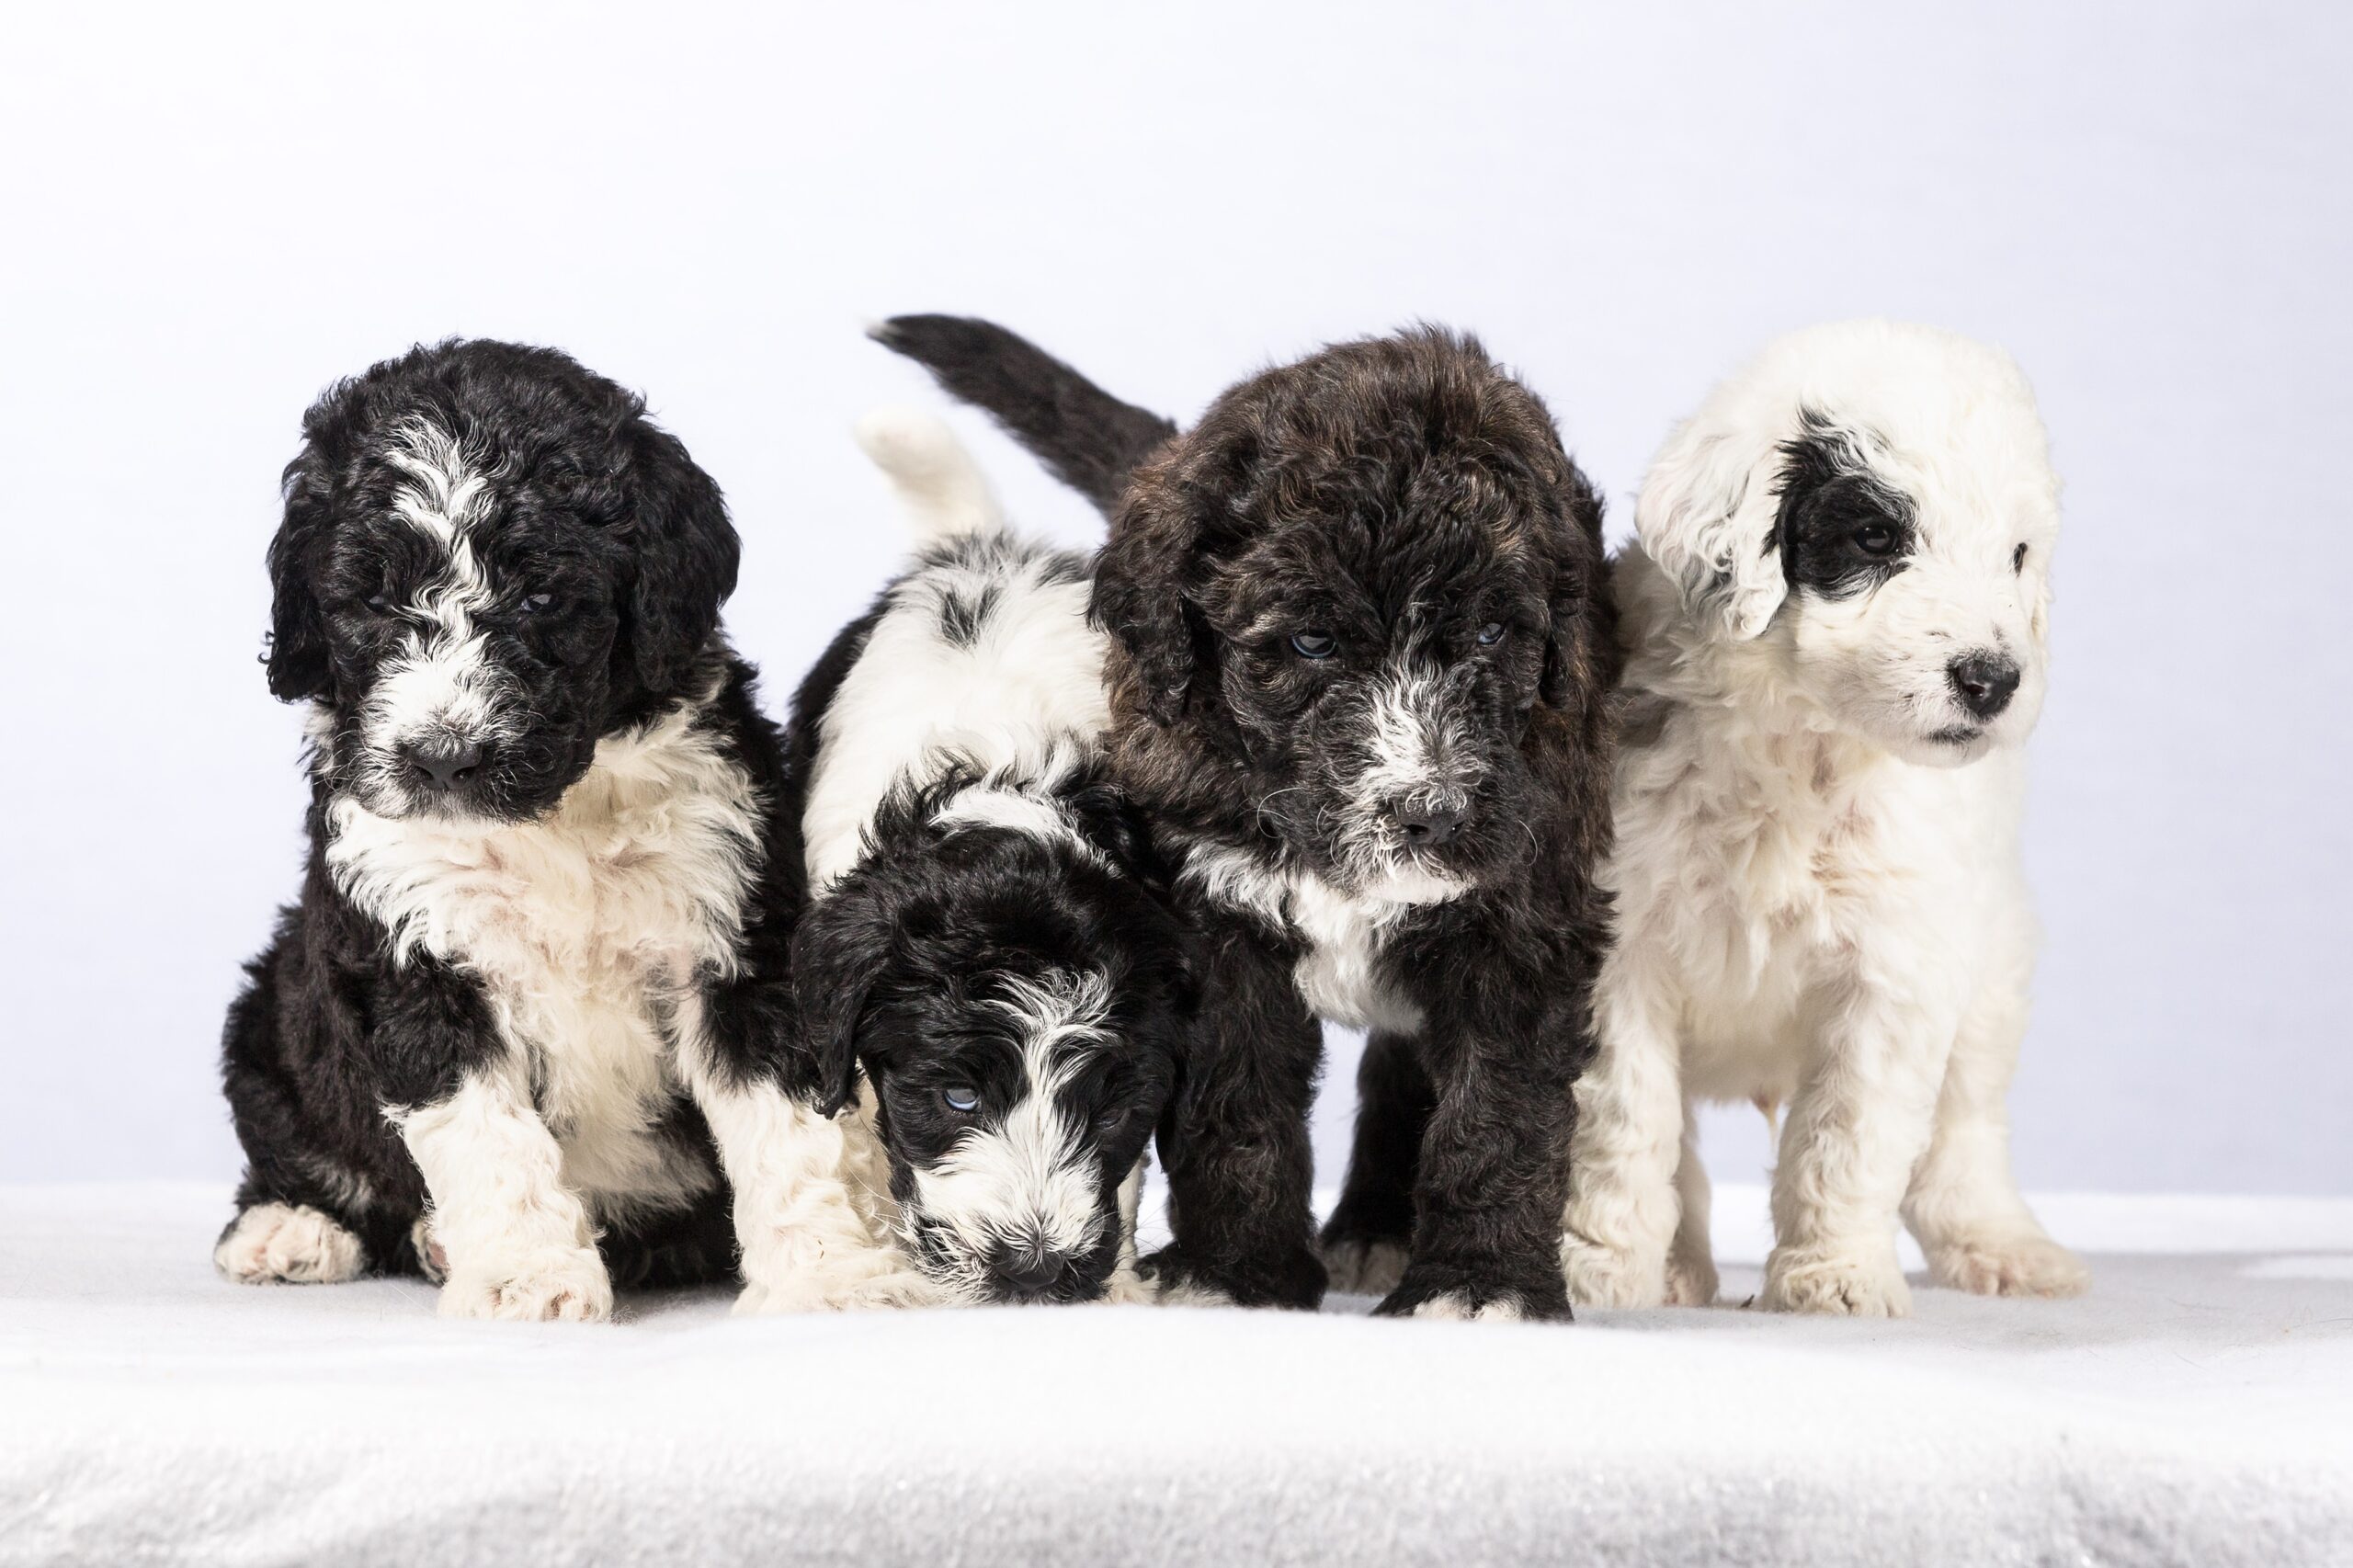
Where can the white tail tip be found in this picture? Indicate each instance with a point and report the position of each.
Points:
(937, 480)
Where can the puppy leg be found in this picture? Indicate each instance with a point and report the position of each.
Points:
(1127, 1287)
(1965, 1204)
(807, 1226)
(1691, 1263)
(1857, 1127)
(1621, 1209)
(1233, 1140)
(519, 1245)
(1371, 1229)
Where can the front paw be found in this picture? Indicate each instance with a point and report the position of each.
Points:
(553, 1285)
(1293, 1279)
(1691, 1281)
(862, 1285)
(2013, 1265)
(1837, 1284)
(1600, 1275)
(1455, 1294)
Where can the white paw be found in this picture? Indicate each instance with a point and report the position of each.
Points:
(294, 1245)
(553, 1285)
(429, 1255)
(1611, 1277)
(1129, 1289)
(1690, 1281)
(1838, 1284)
(1456, 1308)
(840, 1290)
(1364, 1268)
(2013, 1265)
(1187, 1293)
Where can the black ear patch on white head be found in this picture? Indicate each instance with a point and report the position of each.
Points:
(686, 556)
(1840, 528)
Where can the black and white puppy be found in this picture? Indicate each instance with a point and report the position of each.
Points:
(542, 954)
(989, 939)
(1360, 648)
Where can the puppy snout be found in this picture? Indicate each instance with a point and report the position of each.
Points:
(442, 763)
(1035, 1273)
(1984, 682)
(1427, 823)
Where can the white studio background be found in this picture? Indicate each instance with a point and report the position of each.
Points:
(210, 213)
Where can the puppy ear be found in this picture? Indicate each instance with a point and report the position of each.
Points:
(1581, 653)
(1706, 515)
(840, 946)
(1140, 587)
(686, 555)
(297, 659)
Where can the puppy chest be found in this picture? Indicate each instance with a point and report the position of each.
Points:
(1342, 974)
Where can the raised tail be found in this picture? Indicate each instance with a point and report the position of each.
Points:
(936, 478)
(1090, 439)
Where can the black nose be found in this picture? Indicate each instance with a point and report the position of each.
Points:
(1429, 825)
(1032, 1273)
(1984, 681)
(443, 765)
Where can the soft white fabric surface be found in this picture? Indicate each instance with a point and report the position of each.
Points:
(2196, 1408)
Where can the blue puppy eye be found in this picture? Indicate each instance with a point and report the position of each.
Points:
(381, 604)
(1313, 644)
(538, 602)
(1491, 635)
(961, 1100)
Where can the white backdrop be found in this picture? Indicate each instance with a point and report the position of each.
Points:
(207, 217)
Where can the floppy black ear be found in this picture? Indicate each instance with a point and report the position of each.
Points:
(1581, 654)
(687, 554)
(841, 945)
(297, 657)
(1140, 582)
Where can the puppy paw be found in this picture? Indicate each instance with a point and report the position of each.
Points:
(1612, 1277)
(1363, 1266)
(554, 1285)
(288, 1244)
(2009, 1266)
(430, 1260)
(1454, 1295)
(839, 1289)
(1691, 1283)
(1835, 1284)
(1291, 1279)
(1129, 1289)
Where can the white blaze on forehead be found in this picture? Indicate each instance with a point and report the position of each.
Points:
(1414, 738)
(441, 678)
(1029, 1180)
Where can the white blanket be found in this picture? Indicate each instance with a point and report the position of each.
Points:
(2196, 1408)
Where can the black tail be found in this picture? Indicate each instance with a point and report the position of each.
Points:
(1087, 437)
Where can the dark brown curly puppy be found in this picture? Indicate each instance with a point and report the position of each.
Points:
(1361, 651)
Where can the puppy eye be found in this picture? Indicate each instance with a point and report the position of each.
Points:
(2017, 559)
(1874, 539)
(535, 603)
(1491, 635)
(1313, 644)
(963, 1101)
(381, 604)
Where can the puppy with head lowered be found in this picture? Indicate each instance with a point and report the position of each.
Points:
(1359, 654)
(988, 940)
(1836, 620)
(540, 959)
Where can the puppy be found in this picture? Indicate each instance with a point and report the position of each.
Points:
(541, 959)
(1360, 646)
(1835, 621)
(987, 940)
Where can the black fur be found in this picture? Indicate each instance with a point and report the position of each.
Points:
(605, 555)
(1390, 497)
(1087, 437)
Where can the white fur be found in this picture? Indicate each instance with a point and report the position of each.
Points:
(943, 491)
(288, 1244)
(1818, 904)
(1458, 1309)
(1339, 974)
(1031, 685)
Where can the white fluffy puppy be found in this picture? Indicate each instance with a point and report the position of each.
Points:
(1834, 619)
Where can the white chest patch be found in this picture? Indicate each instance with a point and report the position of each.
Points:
(1341, 974)
(580, 925)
